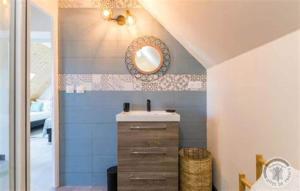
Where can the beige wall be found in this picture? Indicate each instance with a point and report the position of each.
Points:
(253, 107)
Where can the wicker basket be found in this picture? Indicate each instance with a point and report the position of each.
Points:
(195, 169)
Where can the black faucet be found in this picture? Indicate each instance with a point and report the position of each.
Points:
(148, 105)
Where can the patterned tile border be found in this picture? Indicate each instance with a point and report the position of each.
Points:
(125, 82)
(97, 3)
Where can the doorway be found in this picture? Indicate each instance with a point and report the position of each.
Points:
(15, 78)
(41, 87)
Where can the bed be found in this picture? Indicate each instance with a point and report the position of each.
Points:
(39, 113)
(37, 119)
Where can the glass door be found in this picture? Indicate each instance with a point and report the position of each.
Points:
(6, 97)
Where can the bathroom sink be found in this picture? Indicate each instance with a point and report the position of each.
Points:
(148, 116)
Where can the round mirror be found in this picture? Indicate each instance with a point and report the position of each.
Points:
(148, 60)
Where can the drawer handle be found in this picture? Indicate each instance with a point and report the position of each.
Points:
(147, 128)
(148, 153)
(148, 178)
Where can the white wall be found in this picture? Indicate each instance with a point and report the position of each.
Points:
(253, 107)
(4, 78)
(214, 31)
(4, 97)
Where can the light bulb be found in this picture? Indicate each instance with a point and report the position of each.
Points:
(130, 20)
(106, 13)
(4, 2)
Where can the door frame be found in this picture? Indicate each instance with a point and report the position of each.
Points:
(21, 102)
(11, 102)
(20, 96)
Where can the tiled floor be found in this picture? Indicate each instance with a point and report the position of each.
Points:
(69, 188)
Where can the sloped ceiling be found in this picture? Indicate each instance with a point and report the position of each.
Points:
(41, 68)
(216, 30)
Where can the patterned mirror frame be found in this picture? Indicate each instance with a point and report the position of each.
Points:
(136, 45)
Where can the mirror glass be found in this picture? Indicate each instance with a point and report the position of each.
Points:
(148, 59)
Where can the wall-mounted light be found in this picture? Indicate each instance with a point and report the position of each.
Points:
(4, 2)
(128, 18)
(106, 13)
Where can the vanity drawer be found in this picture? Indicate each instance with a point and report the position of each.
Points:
(148, 159)
(148, 134)
(147, 181)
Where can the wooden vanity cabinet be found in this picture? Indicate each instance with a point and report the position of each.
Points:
(148, 156)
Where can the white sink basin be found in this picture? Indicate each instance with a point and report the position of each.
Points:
(147, 116)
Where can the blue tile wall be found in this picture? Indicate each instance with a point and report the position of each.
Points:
(87, 121)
